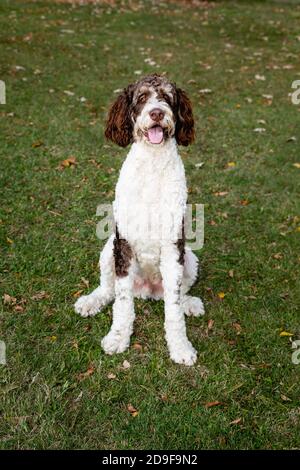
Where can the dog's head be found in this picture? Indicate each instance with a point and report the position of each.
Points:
(151, 110)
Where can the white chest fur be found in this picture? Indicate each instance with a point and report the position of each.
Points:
(151, 196)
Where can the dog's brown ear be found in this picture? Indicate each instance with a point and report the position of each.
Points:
(119, 124)
(184, 131)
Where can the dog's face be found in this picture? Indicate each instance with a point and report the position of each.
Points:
(151, 110)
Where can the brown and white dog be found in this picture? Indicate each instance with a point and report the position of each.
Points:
(146, 256)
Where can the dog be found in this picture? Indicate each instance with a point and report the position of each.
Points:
(155, 117)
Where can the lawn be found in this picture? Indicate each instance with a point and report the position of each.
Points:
(61, 65)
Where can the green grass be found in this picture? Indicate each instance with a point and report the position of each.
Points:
(48, 240)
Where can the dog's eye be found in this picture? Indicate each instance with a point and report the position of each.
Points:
(142, 98)
(166, 97)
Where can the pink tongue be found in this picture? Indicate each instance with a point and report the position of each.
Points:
(155, 135)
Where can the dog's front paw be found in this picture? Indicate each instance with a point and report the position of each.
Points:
(115, 342)
(193, 307)
(87, 306)
(185, 354)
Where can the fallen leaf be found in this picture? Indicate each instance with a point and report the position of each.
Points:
(36, 144)
(236, 421)
(78, 293)
(69, 93)
(9, 240)
(221, 295)
(237, 327)
(231, 164)
(86, 374)
(221, 193)
(40, 295)
(111, 376)
(210, 404)
(85, 282)
(126, 365)
(285, 398)
(70, 161)
(19, 308)
(137, 347)
(296, 165)
(286, 333)
(205, 91)
(259, 130)
(277, 256)
(244, 202)
(7, 299)
(132, 410)
(210, 324)
(231, 273)
(267, 97)
(53, 338)
(260, 77)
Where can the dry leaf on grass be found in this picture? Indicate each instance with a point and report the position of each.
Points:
(285, 398)
(78, 293)
(40, 295)
(221, 193)
(86, 374)
(126, 365)
(211, 404)
(7, 299)
(111, 376)
(277, 256)
(37, 144)
(236, 421)
(85, 282)
(237, 327)
(68, 162)
(132, 410)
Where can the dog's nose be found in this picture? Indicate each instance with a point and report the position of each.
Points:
(156, 114)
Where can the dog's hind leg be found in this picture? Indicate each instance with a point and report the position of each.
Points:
(192, 306)
(89, 305)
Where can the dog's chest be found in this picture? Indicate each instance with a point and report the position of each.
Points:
(150, 198)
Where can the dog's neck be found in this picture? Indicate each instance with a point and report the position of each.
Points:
(159, 155)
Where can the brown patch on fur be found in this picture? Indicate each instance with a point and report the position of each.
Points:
(122, 255)
(181, 245)
(185, 131)
(119, 125)
(139, 101)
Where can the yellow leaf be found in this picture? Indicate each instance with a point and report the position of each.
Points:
(286, 333)
(221, 295)
(53, 338)
(231, 164)
(297, 165)
(9, 240)
(68, 162)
